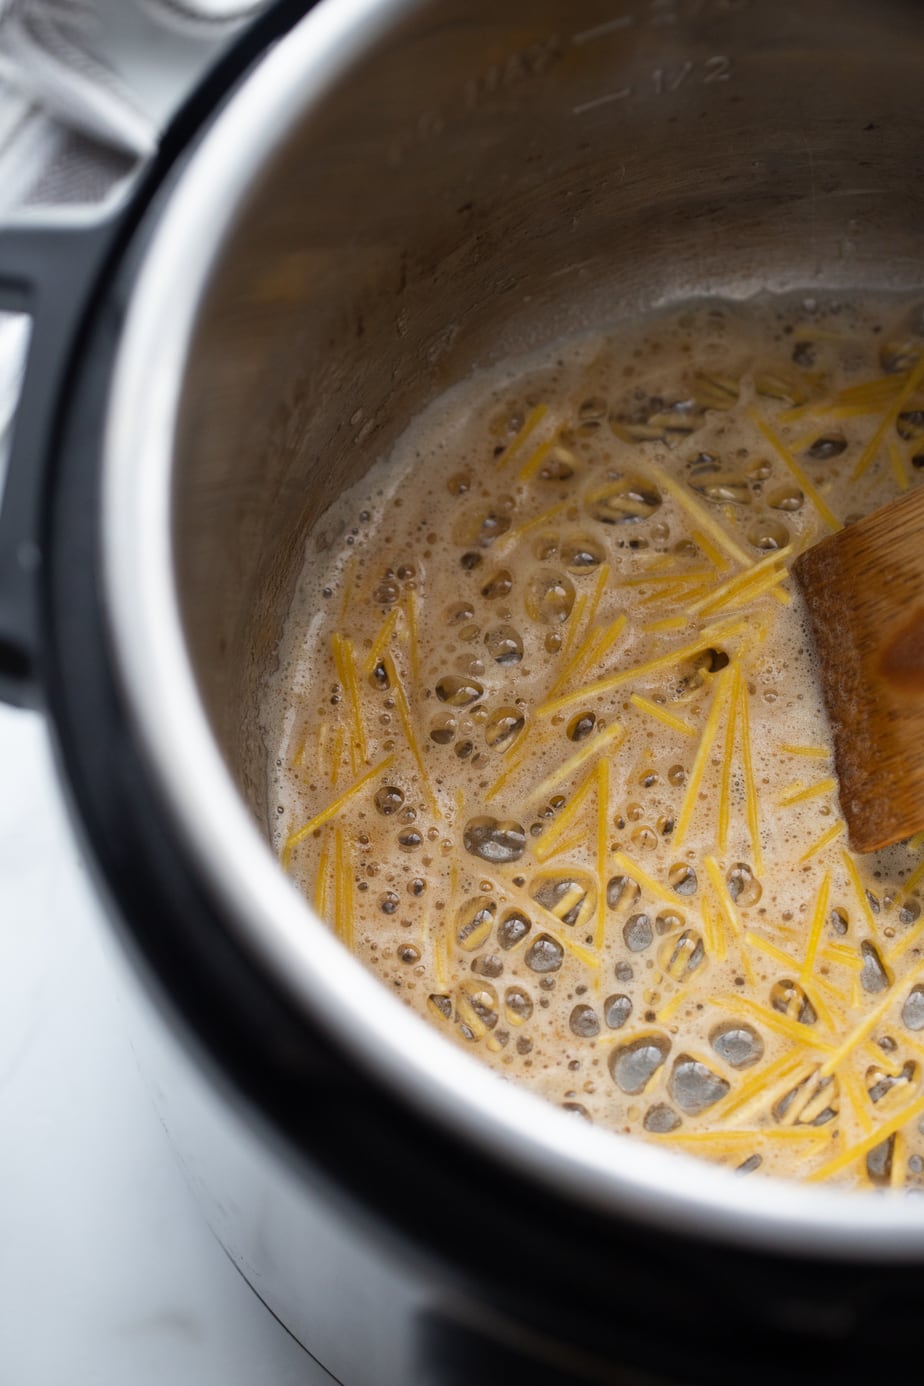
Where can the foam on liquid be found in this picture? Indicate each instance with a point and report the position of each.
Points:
(529, 860)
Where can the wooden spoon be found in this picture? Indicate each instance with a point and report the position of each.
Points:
(864, 589)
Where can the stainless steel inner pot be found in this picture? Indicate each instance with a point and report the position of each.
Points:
(401, 191)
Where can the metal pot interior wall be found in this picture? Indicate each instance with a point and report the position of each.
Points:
(488, 178)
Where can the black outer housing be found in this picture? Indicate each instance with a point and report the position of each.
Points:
(571, 1295)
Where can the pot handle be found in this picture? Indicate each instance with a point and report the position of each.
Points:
(47, 271)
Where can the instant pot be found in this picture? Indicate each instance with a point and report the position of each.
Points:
(364, 201)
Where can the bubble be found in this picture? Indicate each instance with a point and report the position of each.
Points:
(669, 921)
(718, 484)
(560, 465)
(581, 725)
(458, 690)
(768, 534)
(899, 354)
(545, 954)
(389, 902)
(616, 1011)
(910, 425)
(645, 837)
(743, 886)
(621, 892)
(593, 411)
(494, 839)
(498, 585)
(389, 799)
(488, 966)
(476, 1008)
(884, 1088)
(478, 529)
(504, 644)
(680, 955)
(812, 1102)
(785, 388)
(803, 354)
(474, 922)
(577, 1109)
(874, 976)
(470, 561)
(459, 483)
(694, 1087)
(715, 390)
(839, 920)
(583, 1022)
(787, 497)
(909, 912)
(737, 1043)
(408, 953)
(913, 1009)
(661, 1119)
(633, 1065)
(440, 1006)
(443, 728)
(637, 933)
(502, 726)
(581, 554)
(827, 446)
(879, 1162)
(386, 593)
(545, 547)
(789, 998)
(627, 499)
(513, 929)
(379, 679)
(458, 613)
(682, 878)
(550, 597)
(410, 840)
(570, 897)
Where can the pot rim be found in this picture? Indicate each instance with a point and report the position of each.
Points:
(616, 1176)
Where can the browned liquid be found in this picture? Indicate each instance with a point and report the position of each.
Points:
(551, 753)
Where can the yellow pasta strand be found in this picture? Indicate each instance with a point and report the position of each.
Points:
(819, 916)
(533, 420)
(868, 454)
(719, 699)
(813, 791)
(738, 587)
(796, 471)
(404, 715)
(333, 809)
(534, 462)
(603, 801)
(856, 1152)
(706, 638)
(345, 663)
(699, 514)
(610, 737)
(662, 715)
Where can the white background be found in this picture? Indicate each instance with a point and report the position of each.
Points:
(108, 1274)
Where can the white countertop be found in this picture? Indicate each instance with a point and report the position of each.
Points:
(108, 1274)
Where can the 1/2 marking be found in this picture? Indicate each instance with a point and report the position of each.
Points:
(666, 81)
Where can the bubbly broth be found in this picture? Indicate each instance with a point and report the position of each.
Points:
(550, 754)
